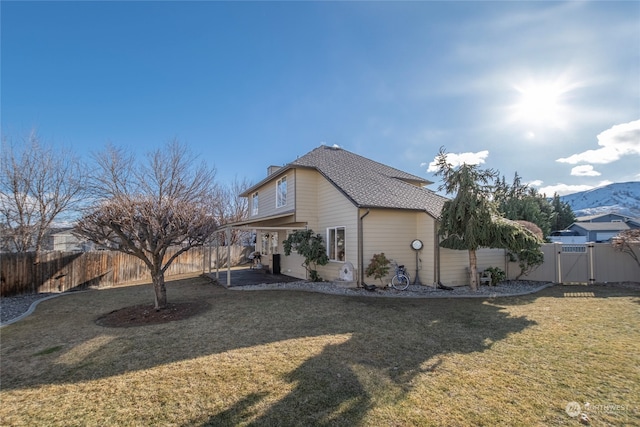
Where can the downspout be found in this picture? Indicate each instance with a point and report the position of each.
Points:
(436, 254)
(361, 249)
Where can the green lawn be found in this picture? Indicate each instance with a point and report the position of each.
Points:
(295, 358)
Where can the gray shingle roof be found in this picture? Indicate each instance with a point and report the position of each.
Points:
(370, 184)
(600, 226)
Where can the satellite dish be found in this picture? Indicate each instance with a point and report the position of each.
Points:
(346, 272)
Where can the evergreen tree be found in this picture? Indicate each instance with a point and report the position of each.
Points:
(564, 215)
(470, 220)
(520, 202)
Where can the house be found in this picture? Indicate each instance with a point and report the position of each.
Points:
(611, 217)
(599, 231)
(602, 227)
(360, 207)
(66, 241)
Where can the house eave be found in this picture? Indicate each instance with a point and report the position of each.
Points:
(265, 221)
(283, 170)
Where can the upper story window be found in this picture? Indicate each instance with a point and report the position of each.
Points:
(281, 192)
(336, 243)
(254, 204)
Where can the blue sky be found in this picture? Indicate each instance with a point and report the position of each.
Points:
(549, 90)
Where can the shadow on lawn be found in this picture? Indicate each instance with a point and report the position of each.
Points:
(390, 340)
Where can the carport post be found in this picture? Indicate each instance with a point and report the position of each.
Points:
(228, 240)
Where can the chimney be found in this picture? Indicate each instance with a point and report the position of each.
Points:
(272, 169)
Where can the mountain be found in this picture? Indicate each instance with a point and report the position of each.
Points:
(622, 198)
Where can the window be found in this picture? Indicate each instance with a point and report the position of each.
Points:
(254, 204)
(335, 243)
(281, 192)
(270, 243)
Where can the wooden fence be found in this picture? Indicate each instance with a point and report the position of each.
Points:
(66, 271)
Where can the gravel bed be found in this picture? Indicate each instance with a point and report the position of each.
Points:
(12, 307)
(509, 288)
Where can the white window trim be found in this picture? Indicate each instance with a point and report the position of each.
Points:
(336, 243)
(255, 204)
(278, 198)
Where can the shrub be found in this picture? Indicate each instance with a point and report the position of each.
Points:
(497, 275)
(311, 247)
(378, 267)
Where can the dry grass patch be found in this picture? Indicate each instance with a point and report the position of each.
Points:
(298, 358)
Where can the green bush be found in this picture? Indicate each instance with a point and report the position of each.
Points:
(497, 275)
(311, 247)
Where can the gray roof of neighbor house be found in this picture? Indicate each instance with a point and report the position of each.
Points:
(367, 183)
(590, 218)
(600, 226)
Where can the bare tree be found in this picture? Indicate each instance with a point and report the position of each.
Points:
(623, 243)
(143, 208)
(232, 208)
(37, 185)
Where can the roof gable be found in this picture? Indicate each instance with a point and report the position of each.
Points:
(365, 182)
(368, 183)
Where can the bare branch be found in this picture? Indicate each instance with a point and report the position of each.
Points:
(37, 185)
(144, 208)
(624, 242)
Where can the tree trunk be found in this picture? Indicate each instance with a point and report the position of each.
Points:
(160, 290)
(473, 269)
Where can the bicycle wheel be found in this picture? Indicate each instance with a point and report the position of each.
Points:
(406, 273)
(400, 282)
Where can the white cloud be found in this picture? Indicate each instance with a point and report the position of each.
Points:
(584, 170)
(615, 142)
(535, 183)
(461, 158)
(564, 189)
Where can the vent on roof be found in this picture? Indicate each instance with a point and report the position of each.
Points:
(272, 169)
(335, 147)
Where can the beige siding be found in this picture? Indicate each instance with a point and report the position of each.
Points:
(267, 197)
(335, 210)
(320, 205)
(306, 190)
(427, 233)
(292, 265)
(391, 232)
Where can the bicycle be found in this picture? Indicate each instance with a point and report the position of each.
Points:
(401, 279)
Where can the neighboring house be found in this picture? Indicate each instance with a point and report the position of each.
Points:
(611, 217)
(599, 231)
(65, 241)
(360, 207)
(600, 228)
